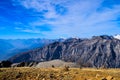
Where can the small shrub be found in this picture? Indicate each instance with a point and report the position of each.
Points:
(103, 78)
(66, 68)
(109, 77)
(18, 75)
(103, 67)
(80, 67)
(51, 75)
(53, 66)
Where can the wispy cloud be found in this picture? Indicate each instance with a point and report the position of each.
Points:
(73, 17)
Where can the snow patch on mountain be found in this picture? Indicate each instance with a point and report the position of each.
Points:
(117, 36)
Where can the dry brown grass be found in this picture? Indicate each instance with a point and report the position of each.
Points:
(58, 74)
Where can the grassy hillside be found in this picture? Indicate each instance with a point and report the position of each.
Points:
(58, 74)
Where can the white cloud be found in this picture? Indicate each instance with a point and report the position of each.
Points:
(82, 16)
(31, 31)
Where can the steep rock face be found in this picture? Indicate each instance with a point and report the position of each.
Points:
(96, 52)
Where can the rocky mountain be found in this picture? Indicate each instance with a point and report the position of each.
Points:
(95, 52)
(10, 47)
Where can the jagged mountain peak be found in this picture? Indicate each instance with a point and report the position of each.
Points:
(103, 37)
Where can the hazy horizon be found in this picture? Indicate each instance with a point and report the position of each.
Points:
(55, 38)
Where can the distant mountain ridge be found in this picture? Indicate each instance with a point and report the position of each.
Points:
(10, 47)
(95, 52)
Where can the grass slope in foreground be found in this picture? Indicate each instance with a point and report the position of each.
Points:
(58, 74)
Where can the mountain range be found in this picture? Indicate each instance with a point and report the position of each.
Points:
(97, 51)
(10, 47)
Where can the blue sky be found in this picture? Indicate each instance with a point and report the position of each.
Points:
(58, 18)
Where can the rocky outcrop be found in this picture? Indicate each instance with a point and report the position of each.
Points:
(95, 52)
(24, 64)
(56, 63)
